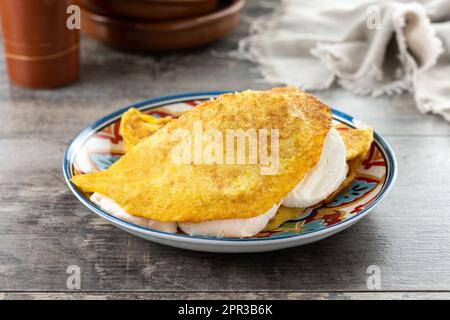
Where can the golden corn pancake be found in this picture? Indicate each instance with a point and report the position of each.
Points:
(357, 143)
(135, 126)
(147, 182)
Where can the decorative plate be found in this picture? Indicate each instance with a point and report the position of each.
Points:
(99, 145)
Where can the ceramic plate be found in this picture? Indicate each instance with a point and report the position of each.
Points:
(100, 145)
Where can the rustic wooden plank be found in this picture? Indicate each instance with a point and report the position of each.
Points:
(227, 295)
(43, 230)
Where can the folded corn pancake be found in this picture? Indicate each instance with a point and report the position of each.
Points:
(135, 126)
(357, 141)
(146, 182)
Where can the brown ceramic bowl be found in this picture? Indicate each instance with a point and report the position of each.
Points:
(163, 36)
(150, 9)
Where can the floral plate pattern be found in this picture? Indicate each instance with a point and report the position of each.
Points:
(99, 145)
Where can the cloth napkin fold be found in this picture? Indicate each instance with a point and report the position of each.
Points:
(369, 47)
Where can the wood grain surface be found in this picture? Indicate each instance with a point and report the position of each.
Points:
(44, 229)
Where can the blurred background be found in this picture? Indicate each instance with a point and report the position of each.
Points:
(41, 52)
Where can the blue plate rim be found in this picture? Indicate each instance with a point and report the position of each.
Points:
(152, 103)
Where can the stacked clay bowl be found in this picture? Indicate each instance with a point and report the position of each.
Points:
(159, 25)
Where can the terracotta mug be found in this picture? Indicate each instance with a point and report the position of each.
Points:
(40, 50)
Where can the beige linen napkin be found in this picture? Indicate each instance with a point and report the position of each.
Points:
(368, 46)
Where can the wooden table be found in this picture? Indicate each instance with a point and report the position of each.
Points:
(44, 229)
